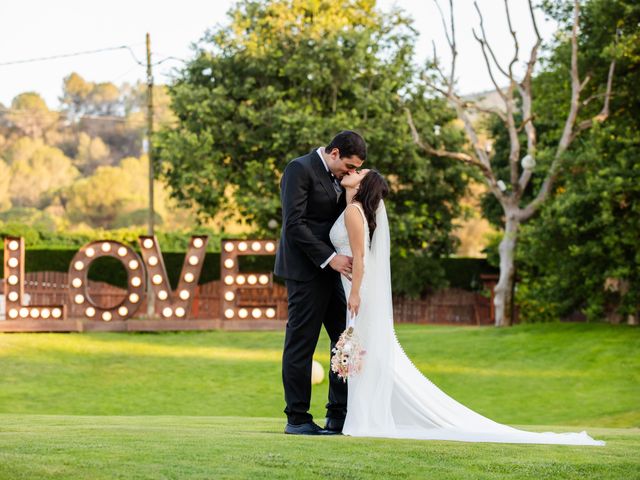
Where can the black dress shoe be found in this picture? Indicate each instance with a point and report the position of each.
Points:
(334, 425)
(309, 428)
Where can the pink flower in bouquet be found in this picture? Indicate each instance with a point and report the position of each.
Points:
(347, 355)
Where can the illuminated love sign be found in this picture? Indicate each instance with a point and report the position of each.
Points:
(233, 279)
(14, 286)
(170, 304)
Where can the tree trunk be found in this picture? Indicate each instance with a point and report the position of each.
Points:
(503, 298)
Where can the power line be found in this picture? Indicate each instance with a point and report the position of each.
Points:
(74, 54)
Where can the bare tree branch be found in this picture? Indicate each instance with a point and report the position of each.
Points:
(436, 64)
(571, 130)
(462, 157)
(484, 37)
(451, 40)
(488, 65)
(470, 105)
(515, 40)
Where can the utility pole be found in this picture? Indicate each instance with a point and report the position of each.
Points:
(151, 230)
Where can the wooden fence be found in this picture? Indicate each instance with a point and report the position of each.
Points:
(450, 306)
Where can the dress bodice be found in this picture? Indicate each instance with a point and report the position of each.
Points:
(340, 237)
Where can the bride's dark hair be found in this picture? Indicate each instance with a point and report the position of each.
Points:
(373, 188)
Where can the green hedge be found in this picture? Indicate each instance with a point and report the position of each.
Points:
(412, 276)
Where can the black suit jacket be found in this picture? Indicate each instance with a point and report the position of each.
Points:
(309, 209)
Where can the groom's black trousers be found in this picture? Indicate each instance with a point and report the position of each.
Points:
(313, 303)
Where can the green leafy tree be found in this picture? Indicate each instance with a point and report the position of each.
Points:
(285, 76)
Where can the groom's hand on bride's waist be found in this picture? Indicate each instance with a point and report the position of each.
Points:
(342, 264)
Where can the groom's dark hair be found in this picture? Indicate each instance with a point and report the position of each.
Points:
(349, 143)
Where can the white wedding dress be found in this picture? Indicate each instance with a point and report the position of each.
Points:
(390, 397)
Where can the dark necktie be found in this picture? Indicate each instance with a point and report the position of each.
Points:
(336, 184)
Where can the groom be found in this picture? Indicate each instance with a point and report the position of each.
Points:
(312, 199)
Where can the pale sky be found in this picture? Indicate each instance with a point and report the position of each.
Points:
(40, 28)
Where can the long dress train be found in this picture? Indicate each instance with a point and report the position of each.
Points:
(390, 397)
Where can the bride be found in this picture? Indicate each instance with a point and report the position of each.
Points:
(389, 397)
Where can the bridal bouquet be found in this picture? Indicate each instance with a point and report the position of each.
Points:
(347, 355)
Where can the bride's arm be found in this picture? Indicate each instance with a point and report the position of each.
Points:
(355, 229)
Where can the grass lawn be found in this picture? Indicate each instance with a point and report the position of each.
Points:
(208, 405)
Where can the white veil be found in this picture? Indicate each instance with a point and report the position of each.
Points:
(390, 397)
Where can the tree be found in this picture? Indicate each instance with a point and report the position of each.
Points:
(92, 153)
(109, 197)
(75, 95)
(36, 170)
(5, 181)
(284, 77)
(517, 95)
(30, 115)
(80, 97)
(582, 253)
